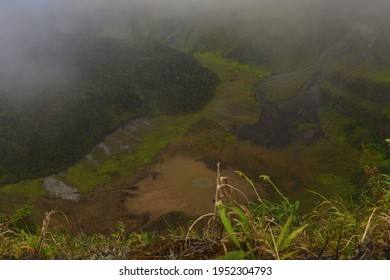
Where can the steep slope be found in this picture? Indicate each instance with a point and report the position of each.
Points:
(75, 90)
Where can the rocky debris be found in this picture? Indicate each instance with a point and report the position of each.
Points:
(105, 148)
(130, 192)
(122, 140)
(119, 144)
(59, 189)
(90, 158)
(135, 125)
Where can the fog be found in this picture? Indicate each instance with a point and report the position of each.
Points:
(22, 31)
(29, 24)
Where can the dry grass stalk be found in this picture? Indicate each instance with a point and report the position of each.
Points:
(223, 194)
(45, 226)
(368, 225)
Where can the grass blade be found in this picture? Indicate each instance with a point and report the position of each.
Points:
(292, 236)
(283, 234)
(228, 227)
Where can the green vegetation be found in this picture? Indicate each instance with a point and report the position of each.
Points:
(333, 185)
(164, 129)
(351, 133)
(352, 228)
(371, 113)
(229, 69)
(21, 239)
(307, 126)
(234, 102)
(48, 123)
(382, 76)
(28, 189)
(324, 166)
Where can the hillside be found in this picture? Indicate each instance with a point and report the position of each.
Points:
(311, 45)
(77, 89)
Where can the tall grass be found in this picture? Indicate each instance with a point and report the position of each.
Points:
(334, 229)
(22, 239)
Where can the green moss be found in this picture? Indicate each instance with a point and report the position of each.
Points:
(372, 114)
(84, 178)
(85, 175)
(228, 69)
(259, 72)
(331, 185)
(359, 103)
(307, 126)
(165, 130)
(336, 126)
(99, 154)
(30, 189)
(234, 102)
(382, 75)
(352, 136)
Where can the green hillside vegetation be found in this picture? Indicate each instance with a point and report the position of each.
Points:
(234, 102)
(382, 76)
(235, 92)
(163, 129)
(357, 87)
(47, 127)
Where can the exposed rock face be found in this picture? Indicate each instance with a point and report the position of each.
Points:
(59, 189)
(271, 130)
(289, 109)
(303, 106)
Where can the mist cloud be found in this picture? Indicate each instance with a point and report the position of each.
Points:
(29, 24)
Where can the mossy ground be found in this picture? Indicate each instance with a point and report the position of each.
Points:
(234, 102)
(350, 134)
(30, 189)
(382, 76)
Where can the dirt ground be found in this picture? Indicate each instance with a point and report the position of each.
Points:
(173, 184)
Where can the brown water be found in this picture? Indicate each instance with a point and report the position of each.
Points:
(181, 184)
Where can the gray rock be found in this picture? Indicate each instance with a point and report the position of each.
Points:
(59, 189)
